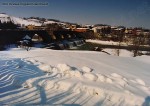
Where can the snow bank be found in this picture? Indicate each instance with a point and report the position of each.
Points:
(115, 52)
(103, 42)
(90, 76)
(119, 52)
(45, 68)
(86, 69)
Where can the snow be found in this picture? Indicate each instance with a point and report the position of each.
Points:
(25, 22)
(104, 42)
(27, 37)
(122, 52)
(45, 68)
(20, 21)
(139, 81)
(88, 78)
(4, 18)
(36, 20)
(86, 69)
(115, 52)
(50, 22)
(3, 15)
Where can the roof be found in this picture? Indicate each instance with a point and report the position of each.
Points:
(27, 37)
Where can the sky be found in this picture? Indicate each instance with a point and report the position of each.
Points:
(129, 13)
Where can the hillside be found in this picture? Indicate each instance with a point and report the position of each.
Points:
(30, 21)
(19, 21)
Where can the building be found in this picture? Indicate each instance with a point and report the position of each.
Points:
(33, 27)
(104, 29)
(30, 27)
(81, 29)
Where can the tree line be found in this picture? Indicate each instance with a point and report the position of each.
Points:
(8, 25)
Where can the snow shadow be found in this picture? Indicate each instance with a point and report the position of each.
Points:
(14, 72)
(147, 101)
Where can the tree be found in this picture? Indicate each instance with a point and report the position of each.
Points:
(8, 25)
(120, 36)
(0, 24)
(136, 45)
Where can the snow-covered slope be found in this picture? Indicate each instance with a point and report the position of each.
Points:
(4, 18)
(25, 22)
(50, 22)
(55, 22)
(20, 21)
(80, 78)
(30, 21)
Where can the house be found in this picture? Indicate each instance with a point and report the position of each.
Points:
(81, 29)
(30, 27)
(88, 26)
(97, 29)
(118, 30)
(139, 32)
(146, 32)
(128, 31)
(104, 29)
(33, 27)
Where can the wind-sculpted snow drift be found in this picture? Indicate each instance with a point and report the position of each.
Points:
(29, 81)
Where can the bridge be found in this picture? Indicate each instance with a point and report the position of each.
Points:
(11, 36)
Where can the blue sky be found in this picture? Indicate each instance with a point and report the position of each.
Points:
(113, 12)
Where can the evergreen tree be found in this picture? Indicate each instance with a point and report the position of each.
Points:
(0, 24)
(8, 25)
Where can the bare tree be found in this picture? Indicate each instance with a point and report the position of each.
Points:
(137, 41)
(120, 37)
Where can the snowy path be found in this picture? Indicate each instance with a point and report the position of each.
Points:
(35, 80)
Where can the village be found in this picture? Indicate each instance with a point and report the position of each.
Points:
(58, 35)
(98, 31)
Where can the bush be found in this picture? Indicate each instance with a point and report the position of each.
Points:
(2, 47)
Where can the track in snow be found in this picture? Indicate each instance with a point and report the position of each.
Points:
(13, 72)
(22, 82)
